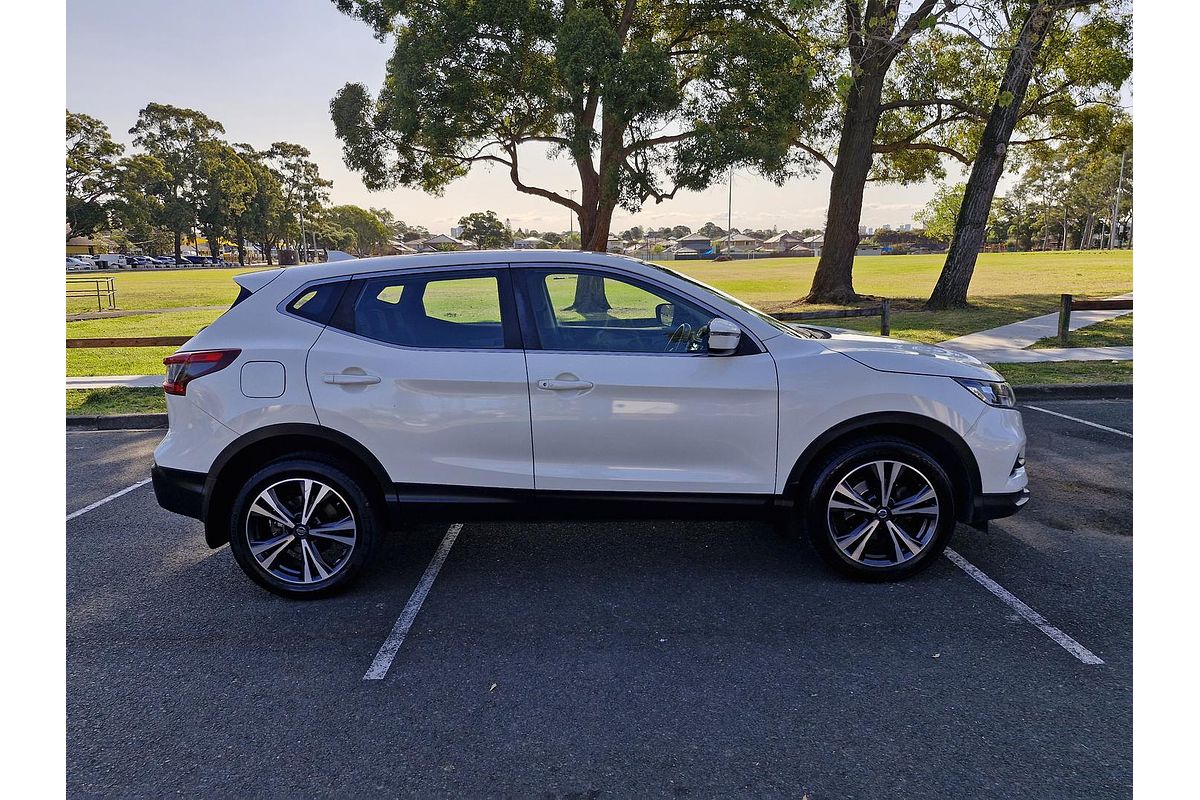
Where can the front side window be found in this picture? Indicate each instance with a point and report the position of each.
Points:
(591, 311)
(431, 311)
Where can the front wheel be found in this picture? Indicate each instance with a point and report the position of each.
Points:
(881, 509)
(302, 528)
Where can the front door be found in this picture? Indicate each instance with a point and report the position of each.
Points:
(426, 371)
(624, 396)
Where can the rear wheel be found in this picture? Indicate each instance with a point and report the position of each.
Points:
(302, 528)
(880, 509)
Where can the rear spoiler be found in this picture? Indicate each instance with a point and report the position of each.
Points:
(251, 282)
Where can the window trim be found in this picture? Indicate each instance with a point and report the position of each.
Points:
(527, 272)
(343, 319)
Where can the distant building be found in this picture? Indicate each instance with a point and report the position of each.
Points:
(696, 242)
(530, 243)
(739, 243)
(782, 242)
(457, 231)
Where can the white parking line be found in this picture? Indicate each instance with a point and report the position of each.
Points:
(99, 503)
(1077, 419)
(391, 645)
(1032, 617)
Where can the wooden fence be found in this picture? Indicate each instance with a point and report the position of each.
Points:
(1069, 304)
(883, 311)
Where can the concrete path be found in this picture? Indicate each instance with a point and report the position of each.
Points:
(1006, 344)
(104, 381)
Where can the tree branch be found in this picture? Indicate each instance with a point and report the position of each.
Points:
(515, 175)
(896, 147)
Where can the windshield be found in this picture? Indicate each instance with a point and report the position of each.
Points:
(795, 330)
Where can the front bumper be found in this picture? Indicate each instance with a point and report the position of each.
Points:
(996, 506)
(179, 491)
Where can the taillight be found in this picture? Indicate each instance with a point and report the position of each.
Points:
(183, 368)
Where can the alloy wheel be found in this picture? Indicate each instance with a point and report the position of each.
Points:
(883, 513)
(301, 531)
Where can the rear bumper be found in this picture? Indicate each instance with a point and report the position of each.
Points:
(179, 491)
(996, 506)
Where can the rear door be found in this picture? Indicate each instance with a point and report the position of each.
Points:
(426, 371)
(625, 397)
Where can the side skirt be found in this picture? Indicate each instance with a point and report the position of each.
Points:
(457, 503)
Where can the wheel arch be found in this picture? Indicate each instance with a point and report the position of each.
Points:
(936, 437)
(246, 454)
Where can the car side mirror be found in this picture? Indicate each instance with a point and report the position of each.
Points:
(723, 337)
(665, 313)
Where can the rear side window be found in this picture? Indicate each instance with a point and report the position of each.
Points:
(317, 302)
(455, 311)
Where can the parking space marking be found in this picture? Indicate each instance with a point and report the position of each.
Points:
(1077, 419)
(391, 645)
(1032, 617)
(102, 501)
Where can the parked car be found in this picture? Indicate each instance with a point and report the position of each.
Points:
(196, 260)
(332, 401)
(163, 261)
(75, 264)
(89, 262)
(112, 261)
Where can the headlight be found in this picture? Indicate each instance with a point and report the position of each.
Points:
(994, 393)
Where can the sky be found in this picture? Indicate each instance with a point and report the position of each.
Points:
(267, 70)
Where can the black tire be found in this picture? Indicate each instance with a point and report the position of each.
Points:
(347, 495)
(856, 461)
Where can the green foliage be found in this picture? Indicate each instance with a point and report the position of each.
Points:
(485, 229)
(224, 189)
(640, 96)
(368, 233)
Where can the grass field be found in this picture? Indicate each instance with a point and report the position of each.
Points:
(1110, 333)
(1006, 287)
(1067, 372)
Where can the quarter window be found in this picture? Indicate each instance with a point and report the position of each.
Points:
(430, 311)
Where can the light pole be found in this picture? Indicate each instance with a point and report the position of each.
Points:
(729, 220)
(571, 214)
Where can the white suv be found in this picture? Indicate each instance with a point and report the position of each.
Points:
(334, 401)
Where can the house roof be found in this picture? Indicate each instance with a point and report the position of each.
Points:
(695, 237)
(783, 237)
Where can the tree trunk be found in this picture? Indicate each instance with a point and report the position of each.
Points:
(594, 226)
(241, 246)
(266, 248)
(178, 246)
(834, 279)
(952, 285)
(1085, 241)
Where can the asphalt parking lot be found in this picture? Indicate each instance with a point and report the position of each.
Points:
(641, 658)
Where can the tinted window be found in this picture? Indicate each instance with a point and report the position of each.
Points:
(583, 311)
(431, 311)
(316, 303)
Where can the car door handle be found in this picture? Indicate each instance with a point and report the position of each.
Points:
(565, 386)
(343, 379)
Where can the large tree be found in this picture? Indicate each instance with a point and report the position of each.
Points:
(485, 229)
(304, 190)
(370, 234)
(934, 102)
(644, 97)
(224, 191)
(875, 33)
(173, 135)
(104, 189)
(1046, 39)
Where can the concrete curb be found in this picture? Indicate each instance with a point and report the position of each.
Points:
(117, 422)
(1066, 391)
(1074, 391)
